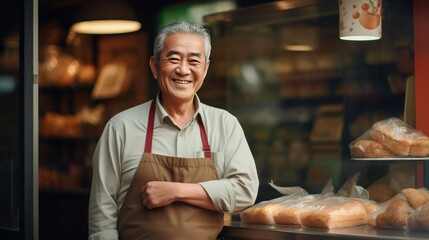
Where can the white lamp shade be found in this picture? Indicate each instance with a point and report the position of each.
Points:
(106, 26)
(360, 20)
(106, 17)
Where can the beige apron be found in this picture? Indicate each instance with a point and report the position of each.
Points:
(177, 220)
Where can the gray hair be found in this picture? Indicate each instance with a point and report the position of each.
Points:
(180, 27)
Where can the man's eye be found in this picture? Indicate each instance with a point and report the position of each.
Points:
(194, 62)
(174, 60)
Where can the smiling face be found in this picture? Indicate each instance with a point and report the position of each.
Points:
(182, 67)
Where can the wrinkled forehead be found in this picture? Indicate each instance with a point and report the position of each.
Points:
(184, 44)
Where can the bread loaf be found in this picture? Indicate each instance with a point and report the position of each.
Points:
(400, 138)
(416, 197)
(369, 206)
(338, 215)
(393, 136)
(381, 192)
(263, 214)
(420, 147)
(290, 216)
(395, 216)
(367, 148)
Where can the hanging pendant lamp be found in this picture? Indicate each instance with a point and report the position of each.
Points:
(360, 20)
(106, 17)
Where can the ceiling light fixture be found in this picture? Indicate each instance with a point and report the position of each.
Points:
(106, 17)
(360, 20)
(299, 48)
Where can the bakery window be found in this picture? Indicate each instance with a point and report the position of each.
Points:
(302, 109)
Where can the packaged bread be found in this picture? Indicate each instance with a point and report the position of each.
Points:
(416, 197)
(335, 212)
(400, 138)
(420, 147)
(368, 205)
(419, 218)
(368, 148)
(267, 212)
(394, 215)
(264, 212)
(290, 211)
(381, 192)
(394, 134)
(391, 137)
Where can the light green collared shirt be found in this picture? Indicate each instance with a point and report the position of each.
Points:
(121, 146)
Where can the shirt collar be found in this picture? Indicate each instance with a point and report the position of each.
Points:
(163, 115)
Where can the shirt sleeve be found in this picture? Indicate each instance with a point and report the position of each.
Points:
(103, 207)
(238, 187)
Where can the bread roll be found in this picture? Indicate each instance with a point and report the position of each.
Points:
(263, 214)
(416, 197)
(366, 148)
(395, 216)
(400, 138)
(346, 214)
(393, 136)
(420, 147)
(290, 216)
(381, 192)
(369, 206)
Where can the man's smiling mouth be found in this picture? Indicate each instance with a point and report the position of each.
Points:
(181, 81)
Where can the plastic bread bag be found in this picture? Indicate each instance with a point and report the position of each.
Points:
(265, 212)
(399, 176)
(285, 209)
(351, 189)
(392, 214)
(289, 212)
(289, 190)
(391, 137)
(400, 138)
(416, 197)
(366, 147)
(418, 220)
(335, 212)
(350, 206)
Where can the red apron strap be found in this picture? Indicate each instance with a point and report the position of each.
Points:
(149, 130)
(206, 147)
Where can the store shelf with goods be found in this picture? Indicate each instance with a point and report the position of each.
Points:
(69, 126)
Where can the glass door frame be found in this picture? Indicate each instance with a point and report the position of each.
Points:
(28, 124)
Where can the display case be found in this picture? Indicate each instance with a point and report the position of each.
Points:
(303, 95)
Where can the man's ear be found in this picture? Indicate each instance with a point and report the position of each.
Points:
(153, 68)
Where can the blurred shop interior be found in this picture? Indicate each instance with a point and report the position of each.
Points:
(300, 106)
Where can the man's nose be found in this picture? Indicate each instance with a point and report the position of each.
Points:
(183, 68)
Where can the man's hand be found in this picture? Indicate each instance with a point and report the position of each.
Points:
(159, 194)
